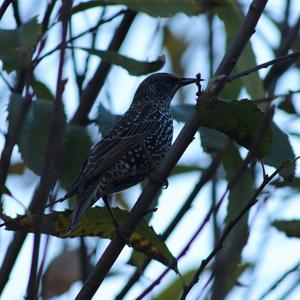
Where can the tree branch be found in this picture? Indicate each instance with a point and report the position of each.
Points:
(206, 176)
(288, 57)
(215, 207)
(4, 7)
(184, 138)
(228, 230)
(93, 88)
(295, 268)
(53, 148)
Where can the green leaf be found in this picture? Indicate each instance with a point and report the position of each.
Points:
(97, 222)
(176, 47)
(294, 183)
(133, 66)
(290, 227)
(32, 141)
(287, 104)
(175, 287)
(41, 90)
(281, 151)
(17, 45)
(77, 145)
(212, 139)
(33, 138)
(182, 112)
(137, 259)
(240, 120)
(229, 259)
(157, 8)
(14, 108)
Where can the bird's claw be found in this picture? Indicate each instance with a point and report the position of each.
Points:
(121, 236)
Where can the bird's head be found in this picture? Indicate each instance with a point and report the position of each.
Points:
(159, 89)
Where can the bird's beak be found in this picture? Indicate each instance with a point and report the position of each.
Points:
(186, 81)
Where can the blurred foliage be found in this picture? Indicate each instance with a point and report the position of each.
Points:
(229, 260)
(133, 66)
(290, 227)
(229, 125)
(157, 8)
(17, 46)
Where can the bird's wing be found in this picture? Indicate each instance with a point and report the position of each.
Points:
(112, 147)
(108, 151)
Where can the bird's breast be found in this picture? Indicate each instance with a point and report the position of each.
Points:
(159, 142)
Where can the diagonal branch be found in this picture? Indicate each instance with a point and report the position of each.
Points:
(93, 88)
(183, 140)
(4, 7)
(289, 57)
(205, 177)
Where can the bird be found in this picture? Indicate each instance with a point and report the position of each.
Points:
(132, 149)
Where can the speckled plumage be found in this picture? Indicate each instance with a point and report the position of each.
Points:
(135, 145)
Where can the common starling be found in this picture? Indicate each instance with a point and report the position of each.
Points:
(133, 148)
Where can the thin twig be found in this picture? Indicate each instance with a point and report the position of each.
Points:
(291, 56)
(46, 18)
(228, 230)
(79, 35)
(13, 132)
(49, 173)
(80, 79)
(271, 98)
(279, 280)
(16, 13)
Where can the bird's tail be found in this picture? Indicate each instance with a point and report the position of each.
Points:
(85, 201)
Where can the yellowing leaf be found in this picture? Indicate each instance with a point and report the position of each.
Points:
(97, 222)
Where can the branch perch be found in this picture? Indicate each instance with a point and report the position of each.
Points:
(183, 140)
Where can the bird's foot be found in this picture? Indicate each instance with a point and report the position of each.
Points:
(156, 179)
(121, 236)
